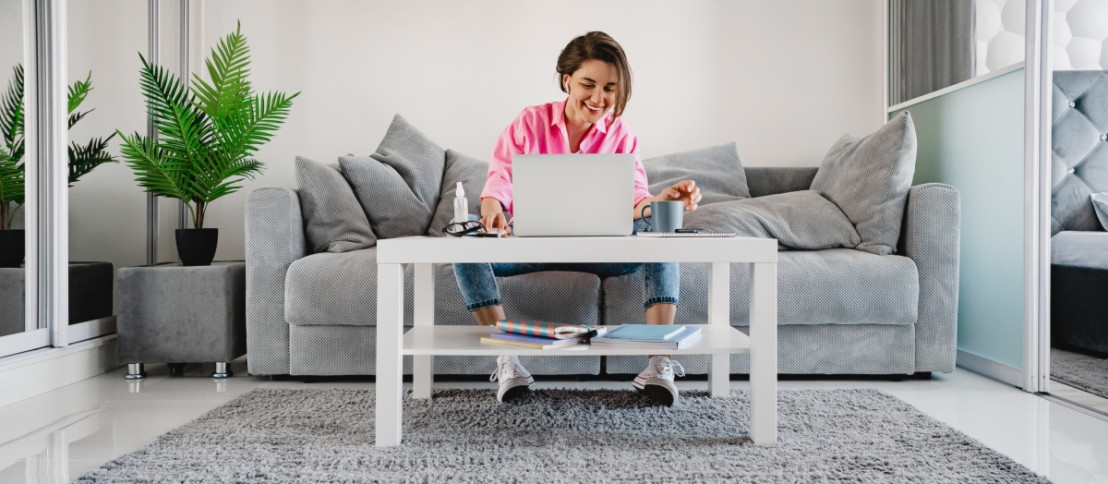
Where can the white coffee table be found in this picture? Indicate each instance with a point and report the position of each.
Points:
(425, 340)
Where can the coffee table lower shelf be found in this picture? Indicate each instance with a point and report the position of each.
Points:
(466, 341)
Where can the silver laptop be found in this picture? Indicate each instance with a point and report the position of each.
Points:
(573, 195)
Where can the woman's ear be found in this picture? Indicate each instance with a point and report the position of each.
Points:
(565, 83)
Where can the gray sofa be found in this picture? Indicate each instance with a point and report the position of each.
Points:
(1079, 243)
(841, 310)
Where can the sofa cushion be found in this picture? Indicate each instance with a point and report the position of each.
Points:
(399, 185)
(869, 178)
(341, 289)
(833, 286)
(1100, 204)
(459, 168)
(716, 169)
(333, 220)
(1080, 249)
(798, 220)
(334, 289)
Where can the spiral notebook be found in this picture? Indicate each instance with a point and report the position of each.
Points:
(667, 235)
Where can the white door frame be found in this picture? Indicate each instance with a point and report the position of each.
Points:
(1037, 180)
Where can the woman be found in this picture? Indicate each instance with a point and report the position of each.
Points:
(597, 81)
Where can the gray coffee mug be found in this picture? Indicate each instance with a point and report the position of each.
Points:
(665, 216)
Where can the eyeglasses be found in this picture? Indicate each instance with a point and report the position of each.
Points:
(472, 228)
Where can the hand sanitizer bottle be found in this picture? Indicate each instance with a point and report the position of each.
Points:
(461, 205)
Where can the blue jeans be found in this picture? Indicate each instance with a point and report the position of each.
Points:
(479, 289)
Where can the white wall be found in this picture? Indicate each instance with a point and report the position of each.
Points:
(781, 79)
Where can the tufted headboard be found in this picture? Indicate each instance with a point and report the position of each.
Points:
(1079, 166)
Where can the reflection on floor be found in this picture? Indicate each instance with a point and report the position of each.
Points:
(63, 434)
(1076, 387)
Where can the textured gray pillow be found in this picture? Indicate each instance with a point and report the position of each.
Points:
(798, 220)
(1100, 204)
(869, 178)
(716, 169)
(399, 185)
(459, 168)
(334, 222)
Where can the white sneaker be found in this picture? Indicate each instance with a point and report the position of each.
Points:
(656, 381)
(514, 378)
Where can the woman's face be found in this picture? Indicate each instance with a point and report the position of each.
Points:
(592, 91)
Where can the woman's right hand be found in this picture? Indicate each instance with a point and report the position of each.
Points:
(492, 216)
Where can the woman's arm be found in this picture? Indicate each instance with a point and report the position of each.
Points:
(684, 190)
(492, 215)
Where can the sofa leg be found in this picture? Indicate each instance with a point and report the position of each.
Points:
(135, 371)
(222, 370)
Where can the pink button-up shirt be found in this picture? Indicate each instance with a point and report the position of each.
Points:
(542, 130)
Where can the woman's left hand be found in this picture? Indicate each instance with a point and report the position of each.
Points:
(684, 190)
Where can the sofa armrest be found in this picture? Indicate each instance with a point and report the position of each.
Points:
(274, 240)
(932, 238)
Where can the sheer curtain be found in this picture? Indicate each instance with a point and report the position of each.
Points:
(931, 46)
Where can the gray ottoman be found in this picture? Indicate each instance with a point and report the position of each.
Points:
(173, 314)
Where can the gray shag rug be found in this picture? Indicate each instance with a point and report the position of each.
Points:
(1088, 373)
(279, 436)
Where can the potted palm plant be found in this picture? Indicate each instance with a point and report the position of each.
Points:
(82, 158)
(207, 137)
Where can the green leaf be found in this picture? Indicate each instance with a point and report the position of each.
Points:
(158, 173)
(78, 92)
(83, 159)
(11, 179)
(11, 114)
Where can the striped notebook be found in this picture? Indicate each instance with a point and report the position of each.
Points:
(544, 329)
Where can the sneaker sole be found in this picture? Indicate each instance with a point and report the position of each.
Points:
(660, 390)
(514, 389)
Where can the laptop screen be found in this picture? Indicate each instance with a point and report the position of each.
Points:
(573, 195)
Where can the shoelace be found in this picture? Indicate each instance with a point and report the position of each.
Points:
(671, 366)
(511, 370)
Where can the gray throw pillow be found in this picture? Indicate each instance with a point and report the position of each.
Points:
(399, 185)
(459, 168)
(716, 169)
(333, 220)
(1100, 204)
(798, 220)
(869, 178)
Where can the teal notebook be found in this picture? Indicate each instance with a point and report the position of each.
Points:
(645, 332)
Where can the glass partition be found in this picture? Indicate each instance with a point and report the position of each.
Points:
(935, 44)
(13, 319)
(107, 209)
(1078, 167)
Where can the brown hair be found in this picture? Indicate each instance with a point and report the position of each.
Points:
(599, 46)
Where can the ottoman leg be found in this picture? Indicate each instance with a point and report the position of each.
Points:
(222, 370)
(135, 371)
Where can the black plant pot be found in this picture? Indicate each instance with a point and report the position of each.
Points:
(11, 247)
(197, 246)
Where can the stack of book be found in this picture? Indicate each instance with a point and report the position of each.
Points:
(669, 337)
(541, 334)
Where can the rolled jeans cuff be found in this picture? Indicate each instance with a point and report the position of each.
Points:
(660, 300)
(482, 304)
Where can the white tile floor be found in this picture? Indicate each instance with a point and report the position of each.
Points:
(60, 435)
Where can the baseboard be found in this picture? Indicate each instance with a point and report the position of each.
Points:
(990, 368)
(36, 372)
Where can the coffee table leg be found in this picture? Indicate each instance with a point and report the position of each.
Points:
(719, 312)
(763, 354)
(390, 325)
(423, 377)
